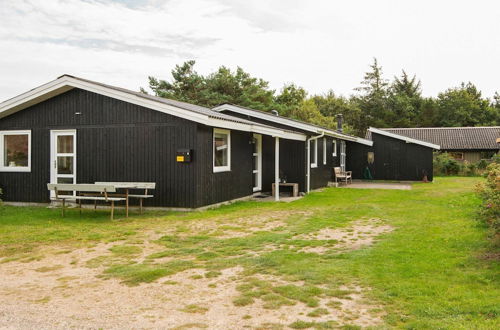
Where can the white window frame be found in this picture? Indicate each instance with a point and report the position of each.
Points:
(334, 145)
(226, 168)
(314, 161)
(324, 151)
(2, 151)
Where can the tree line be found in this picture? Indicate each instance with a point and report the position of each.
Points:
(377, 102)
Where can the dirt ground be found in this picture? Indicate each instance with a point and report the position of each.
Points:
(65, 290)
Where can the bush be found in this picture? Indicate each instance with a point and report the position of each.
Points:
(470, 169)
(489, 191)
(482, 164)
(444, 164)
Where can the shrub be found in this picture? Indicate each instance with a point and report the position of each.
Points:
(482, 164)
(470, 169)
(489, 191)
(444, 164)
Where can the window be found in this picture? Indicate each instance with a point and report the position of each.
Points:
(324, 151)
(314, 153)
(15, 151)
(457, 155)
(222, 150)
(334, 145)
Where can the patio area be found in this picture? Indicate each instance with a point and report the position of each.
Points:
(377, 185)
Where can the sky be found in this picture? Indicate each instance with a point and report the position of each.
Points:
(317, 44)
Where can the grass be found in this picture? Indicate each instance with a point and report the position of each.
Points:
(427, 273)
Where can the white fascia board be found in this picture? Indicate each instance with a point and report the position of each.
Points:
(404, 138)
(66, 83)
(273, 118)
(286, 121)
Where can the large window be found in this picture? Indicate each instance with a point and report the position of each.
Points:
(15, 151)
(314, 153)
(222, 150)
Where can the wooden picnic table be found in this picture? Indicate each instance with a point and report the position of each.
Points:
(132, 185)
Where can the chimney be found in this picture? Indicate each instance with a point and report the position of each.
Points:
(275, 112)
(340, 119)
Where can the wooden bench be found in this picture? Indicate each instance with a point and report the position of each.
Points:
(101, 190)
(295, 188)
(134, 186)
(342, 175)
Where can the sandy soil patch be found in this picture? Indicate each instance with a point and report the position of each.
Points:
(231, 227)
(360, 234)
(57, 293)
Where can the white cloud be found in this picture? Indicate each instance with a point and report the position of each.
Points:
(317, 44)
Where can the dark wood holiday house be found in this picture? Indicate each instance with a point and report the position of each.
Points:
(73, 130)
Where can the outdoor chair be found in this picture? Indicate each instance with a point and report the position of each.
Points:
(340, 175)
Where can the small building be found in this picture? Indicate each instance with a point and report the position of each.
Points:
(391, 157)
(73, 130)
(463, 143)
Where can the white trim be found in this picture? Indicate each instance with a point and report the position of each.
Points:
(291, 123)
(308, 157)
(324, 150)
(314, 162)
(66, 83)
(404, 138)
(4, 168)
(258, 137)
(342, 155)
(334, 148)
(225, 168)
(277, 169)
(54, 154)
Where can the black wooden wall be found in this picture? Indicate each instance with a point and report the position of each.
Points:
(116, 141)
(394, 159)
(321, 175)
(219, 187)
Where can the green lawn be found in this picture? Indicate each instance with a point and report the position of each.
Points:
(428, 273)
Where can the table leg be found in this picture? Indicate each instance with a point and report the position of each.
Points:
(112, 209)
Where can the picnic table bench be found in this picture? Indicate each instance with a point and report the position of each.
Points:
(101, 192)
(127, 186)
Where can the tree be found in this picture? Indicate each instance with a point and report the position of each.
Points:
(290, 99)
(463, 106)
(373, 98)
(404, 102)
(330, 105)
(221, 86)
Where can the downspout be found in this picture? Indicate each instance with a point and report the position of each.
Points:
(308, 147)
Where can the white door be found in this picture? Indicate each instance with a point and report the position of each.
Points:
(257, 162)
(62, 156)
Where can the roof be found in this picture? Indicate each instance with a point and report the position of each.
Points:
(454, 138)
(401, 137)
(184, 110)
(291, 123)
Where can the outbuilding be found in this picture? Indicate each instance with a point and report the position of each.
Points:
(392, 157)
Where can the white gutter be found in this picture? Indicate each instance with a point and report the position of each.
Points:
(309, 158)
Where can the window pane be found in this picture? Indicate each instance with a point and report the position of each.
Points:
(65, 165)
(65, 144)
(221, 149)
(16, 150)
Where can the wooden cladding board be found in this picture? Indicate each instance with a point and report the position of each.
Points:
(116, 141)
(394, 159)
